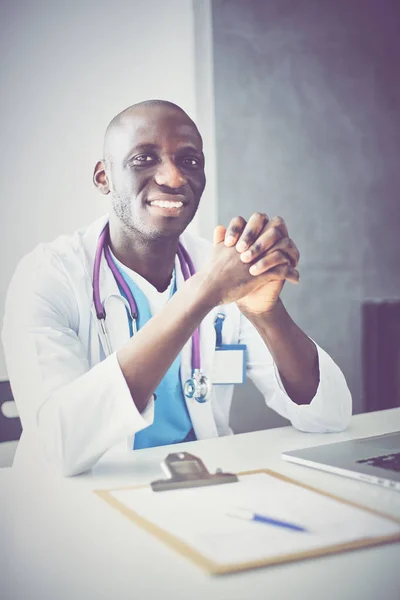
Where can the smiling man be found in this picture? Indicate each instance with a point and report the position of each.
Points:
(131, 333)
(138, 147)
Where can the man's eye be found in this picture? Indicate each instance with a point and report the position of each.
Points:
(189, 161)
(142, 159)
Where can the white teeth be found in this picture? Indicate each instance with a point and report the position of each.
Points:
(166, 204)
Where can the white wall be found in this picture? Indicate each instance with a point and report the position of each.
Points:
(66, 70)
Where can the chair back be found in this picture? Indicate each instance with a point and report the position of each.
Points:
(10, 424)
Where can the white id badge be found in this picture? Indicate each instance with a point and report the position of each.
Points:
(229, 364)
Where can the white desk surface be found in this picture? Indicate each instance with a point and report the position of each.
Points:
(58, 541)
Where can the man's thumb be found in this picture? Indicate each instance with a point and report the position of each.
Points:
(219, 234)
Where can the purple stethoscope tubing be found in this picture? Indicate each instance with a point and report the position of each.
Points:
(102, 246)
(187, 268)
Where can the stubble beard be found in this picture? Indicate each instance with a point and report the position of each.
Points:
(122, 207)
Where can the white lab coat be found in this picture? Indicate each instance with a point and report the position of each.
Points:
(77, 402)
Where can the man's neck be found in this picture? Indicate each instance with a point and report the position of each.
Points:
(152, 258)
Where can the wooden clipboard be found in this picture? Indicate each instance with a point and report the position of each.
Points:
(217, 569)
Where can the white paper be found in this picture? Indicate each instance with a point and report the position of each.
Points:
(198, 516)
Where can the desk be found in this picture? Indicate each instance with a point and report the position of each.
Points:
(60, 542)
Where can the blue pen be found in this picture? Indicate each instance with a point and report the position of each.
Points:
(248, 515)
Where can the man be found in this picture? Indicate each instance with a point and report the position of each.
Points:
(84, 384)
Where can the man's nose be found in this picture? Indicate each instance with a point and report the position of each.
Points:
(169, 174)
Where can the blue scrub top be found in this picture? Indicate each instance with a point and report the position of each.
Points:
(172, 422)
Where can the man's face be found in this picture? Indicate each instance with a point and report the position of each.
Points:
(155, 170)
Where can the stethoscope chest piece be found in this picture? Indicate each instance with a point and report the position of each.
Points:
(198, 387)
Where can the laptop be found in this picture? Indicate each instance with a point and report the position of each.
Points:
(375, 459)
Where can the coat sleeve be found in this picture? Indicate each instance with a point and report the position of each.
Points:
(78, 412)
(330, 409)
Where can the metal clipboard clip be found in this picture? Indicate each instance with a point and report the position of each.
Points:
(185, 470)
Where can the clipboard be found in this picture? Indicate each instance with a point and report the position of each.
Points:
(215, 568)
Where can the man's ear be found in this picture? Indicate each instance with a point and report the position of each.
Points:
(100, 178)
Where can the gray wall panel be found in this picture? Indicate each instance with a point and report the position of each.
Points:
(307, 114)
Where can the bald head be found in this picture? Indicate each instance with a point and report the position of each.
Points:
(152, 151)
(126, 121)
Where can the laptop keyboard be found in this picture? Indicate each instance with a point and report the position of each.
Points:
(391, 462)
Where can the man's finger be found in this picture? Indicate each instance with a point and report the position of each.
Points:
(262, 248)
(219, 234)
(234, 231)
(268, 262)
(280, 272)
(280, 224)
(252, 231)
(264, 242)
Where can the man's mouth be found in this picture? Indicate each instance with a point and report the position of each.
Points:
(166, 203)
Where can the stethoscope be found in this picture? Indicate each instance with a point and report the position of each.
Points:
(198, 386)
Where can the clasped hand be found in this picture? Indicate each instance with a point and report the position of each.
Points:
(251, 262)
